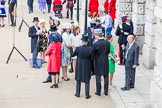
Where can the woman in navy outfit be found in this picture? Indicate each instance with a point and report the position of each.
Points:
(2, 12)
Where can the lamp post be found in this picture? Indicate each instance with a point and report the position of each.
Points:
(78, 11)
(85, 23)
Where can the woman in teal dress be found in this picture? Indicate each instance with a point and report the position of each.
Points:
(111, 59)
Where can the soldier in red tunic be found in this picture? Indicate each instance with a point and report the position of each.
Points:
(110, 6)
(93, 6)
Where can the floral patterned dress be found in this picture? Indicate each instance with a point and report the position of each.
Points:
(43, 41)
(65, 51)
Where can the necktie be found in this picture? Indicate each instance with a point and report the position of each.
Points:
(127, 50)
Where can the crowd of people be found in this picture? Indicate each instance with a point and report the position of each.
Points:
(92, 53)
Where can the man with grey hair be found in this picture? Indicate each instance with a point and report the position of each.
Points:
(101, 49)
(131, 62)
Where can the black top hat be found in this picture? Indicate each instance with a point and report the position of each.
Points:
(35, 19)
(53, 28)
(84, 38)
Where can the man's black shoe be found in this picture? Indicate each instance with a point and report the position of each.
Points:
(125, 88)
(106, 94)
(131, 86)
(87, 97)
(77, 95)
(98, 94)
(46, 81)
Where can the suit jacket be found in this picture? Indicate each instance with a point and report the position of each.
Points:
(12, 3)
(34, 38)
(101, 49)
(132, 55)
(84, 64)
(121, 30)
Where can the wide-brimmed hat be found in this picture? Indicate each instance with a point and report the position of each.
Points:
(72, 22)
(42, 21)
(56, 18)
(35, 19)
(97, 32)
(53, 28)
(84, 38)
(66, 25)
(76, 23)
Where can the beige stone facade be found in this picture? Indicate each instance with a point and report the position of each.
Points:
(147, 18)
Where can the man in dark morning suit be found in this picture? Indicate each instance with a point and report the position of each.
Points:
(30, 5)
(131, 62)
(34, 33)
(101, 49)
(12, 11)
(84, 55)
(70, 5)
(123, 30)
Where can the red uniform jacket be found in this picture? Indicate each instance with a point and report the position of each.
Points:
(111, 7)
(93, 6)
(54, 60)
(58, 2)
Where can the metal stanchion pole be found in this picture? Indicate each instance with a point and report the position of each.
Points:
(86, 11)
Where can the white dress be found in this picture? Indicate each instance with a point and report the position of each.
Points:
(76, 42)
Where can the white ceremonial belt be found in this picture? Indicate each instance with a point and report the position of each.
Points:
(2, 6)
(126, 33)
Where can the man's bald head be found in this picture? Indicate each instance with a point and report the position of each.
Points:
(130, 38)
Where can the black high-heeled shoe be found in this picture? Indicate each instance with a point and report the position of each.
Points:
(2, 25)
(53, 86)
(65, 79)
(56, 85)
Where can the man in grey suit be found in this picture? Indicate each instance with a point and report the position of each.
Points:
(131, 62)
